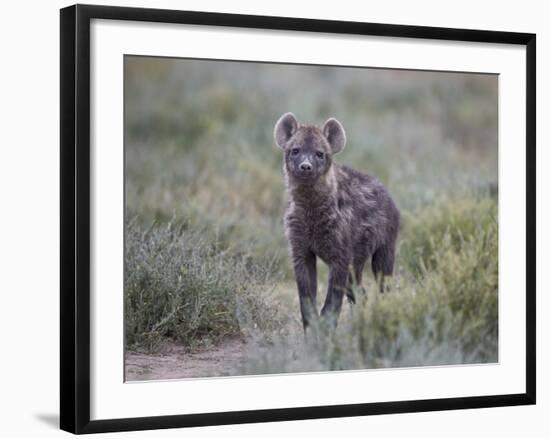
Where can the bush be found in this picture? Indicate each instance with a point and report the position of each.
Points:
(179, 285)
(447, 223)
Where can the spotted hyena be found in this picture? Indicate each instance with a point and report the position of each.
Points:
(336, 213)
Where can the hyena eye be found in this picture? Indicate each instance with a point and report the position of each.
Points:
(320, 154)
(294, 151)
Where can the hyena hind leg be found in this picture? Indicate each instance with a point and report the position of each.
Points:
(355, 282)
(382, 265)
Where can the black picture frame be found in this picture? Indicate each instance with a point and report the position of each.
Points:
(75, 217)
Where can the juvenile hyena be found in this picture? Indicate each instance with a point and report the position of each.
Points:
(335, 213)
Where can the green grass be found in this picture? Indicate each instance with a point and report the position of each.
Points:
(206, 255)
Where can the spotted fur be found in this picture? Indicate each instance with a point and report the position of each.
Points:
(335, 213)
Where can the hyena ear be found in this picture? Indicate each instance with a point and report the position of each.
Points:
(335, 134)
(285, 128)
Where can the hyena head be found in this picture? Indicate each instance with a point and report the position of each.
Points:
(308, 149)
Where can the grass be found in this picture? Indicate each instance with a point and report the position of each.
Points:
(206, 255)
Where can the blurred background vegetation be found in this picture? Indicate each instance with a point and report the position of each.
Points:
(206, 255)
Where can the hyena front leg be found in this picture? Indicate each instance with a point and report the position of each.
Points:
(337, 287)
(305, 271)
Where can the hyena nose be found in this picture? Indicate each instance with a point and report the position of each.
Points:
(305, 166)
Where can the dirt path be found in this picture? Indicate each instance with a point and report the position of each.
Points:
(176, 362)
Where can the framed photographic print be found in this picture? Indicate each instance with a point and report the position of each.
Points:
(268, 218)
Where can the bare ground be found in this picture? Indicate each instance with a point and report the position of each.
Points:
(176, 361)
